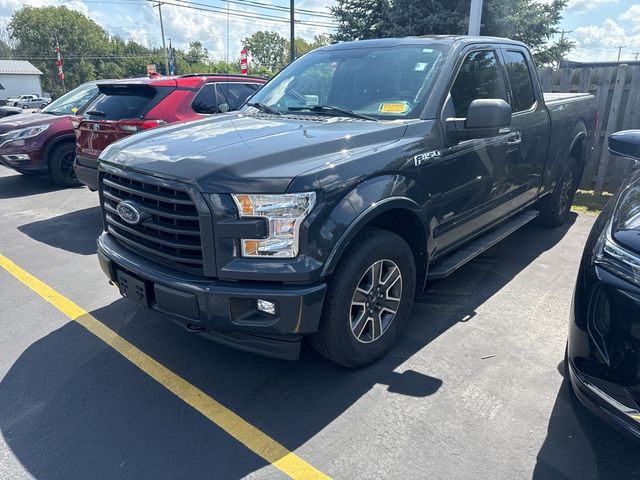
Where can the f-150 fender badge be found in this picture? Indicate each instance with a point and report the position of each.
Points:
(423, 157)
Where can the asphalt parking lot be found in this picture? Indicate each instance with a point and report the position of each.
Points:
(475, 388)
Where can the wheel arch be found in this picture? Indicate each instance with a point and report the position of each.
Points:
(578, 147)
(53, 144)
(398, 214)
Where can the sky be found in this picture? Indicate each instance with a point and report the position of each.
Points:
(598, 27)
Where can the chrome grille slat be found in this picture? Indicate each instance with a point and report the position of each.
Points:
(153, 210)
(136, 191)
(170, 236)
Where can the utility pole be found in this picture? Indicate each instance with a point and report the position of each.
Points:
(475, 16)
(620, 50)
(164, 45)
(292, 54)
(562, 32)
(636, 56)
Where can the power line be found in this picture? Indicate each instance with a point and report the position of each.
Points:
(253, 3)
(264, 18)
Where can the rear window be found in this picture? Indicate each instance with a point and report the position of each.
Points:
(124, 101)
(522, 91)
(222, 97)
(235, 94)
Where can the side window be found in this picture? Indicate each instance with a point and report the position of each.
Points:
(522, 91)
(235, 94)
(479, 77)
(205, 100)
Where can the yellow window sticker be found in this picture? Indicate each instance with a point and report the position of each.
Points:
(395, 107)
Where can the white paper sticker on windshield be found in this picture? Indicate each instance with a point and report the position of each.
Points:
(420, 67)
(427, 50)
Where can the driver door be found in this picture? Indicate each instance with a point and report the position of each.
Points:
(473, 173)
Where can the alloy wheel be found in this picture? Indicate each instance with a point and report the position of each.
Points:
(376, 301)
(565, 193)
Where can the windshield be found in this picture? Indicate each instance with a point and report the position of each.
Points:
(385, 83)
(72, 101)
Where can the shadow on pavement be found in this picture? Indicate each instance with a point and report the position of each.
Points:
(71, 406)
(19, 185)
(579, 445)
(76, 231)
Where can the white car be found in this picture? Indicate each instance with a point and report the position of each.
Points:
(28, 101)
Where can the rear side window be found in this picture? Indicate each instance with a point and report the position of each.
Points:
(122, 101)
(205, 100)
(479, 77)
(522, 91)
(235, 94)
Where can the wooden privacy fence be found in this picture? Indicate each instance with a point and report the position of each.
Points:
(617, 92)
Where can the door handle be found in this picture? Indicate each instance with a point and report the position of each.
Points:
(514, 139)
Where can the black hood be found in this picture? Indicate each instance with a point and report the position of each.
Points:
(243, 153)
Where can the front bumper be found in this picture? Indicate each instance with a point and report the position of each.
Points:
(604, 356)
(19, 156)
(87, 171)
(223, 311)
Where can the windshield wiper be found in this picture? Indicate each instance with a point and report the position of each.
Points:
(264, 108)
(49, 112)
(331, 109)
(96, 113)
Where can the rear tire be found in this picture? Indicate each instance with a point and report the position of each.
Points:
(555, 207)
(61, 160)
(369, 298)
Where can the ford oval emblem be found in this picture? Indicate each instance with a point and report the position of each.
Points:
(130, 212)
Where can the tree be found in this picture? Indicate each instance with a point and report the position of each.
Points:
(360, 19)
(77, 35)
(267, 49)
(533, 22)
(197, 53)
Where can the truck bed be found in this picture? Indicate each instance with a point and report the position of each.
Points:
(555, 98)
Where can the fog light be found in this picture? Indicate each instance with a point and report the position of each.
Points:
(17, 158)
(267, 307)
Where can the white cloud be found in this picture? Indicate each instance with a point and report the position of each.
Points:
(600, 43)
(633, 16)
(584, 6)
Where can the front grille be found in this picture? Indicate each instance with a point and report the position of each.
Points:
(171, 235)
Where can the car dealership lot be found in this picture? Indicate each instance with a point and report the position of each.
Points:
(474, 388)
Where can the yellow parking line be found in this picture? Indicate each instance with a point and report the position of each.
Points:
(251, 437)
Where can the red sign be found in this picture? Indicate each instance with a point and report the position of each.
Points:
(59, 63)
(243, 61)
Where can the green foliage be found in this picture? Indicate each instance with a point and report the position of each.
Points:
(267, 49)
(90, 53)
(533, 22)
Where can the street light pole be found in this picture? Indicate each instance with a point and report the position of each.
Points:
(292, 53)
(164, 45)
(475, 16)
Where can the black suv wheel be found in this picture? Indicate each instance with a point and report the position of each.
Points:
(368, 299)
(61, 160)
(555, 207)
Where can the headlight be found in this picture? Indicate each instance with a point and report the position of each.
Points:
(618, 247)
(284, 213)
(23, 133)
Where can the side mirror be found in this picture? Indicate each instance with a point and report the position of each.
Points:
(485, 118)
(625, 144)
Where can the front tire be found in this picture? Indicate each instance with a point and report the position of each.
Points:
(61, 161)
(555, 207)
(368, 300)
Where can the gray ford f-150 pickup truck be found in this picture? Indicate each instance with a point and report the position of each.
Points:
(324, 205)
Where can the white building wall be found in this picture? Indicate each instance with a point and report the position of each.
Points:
(19, 84)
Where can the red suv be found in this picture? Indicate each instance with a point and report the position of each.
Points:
(129, 106)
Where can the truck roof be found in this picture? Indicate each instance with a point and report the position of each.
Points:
(422, 40)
